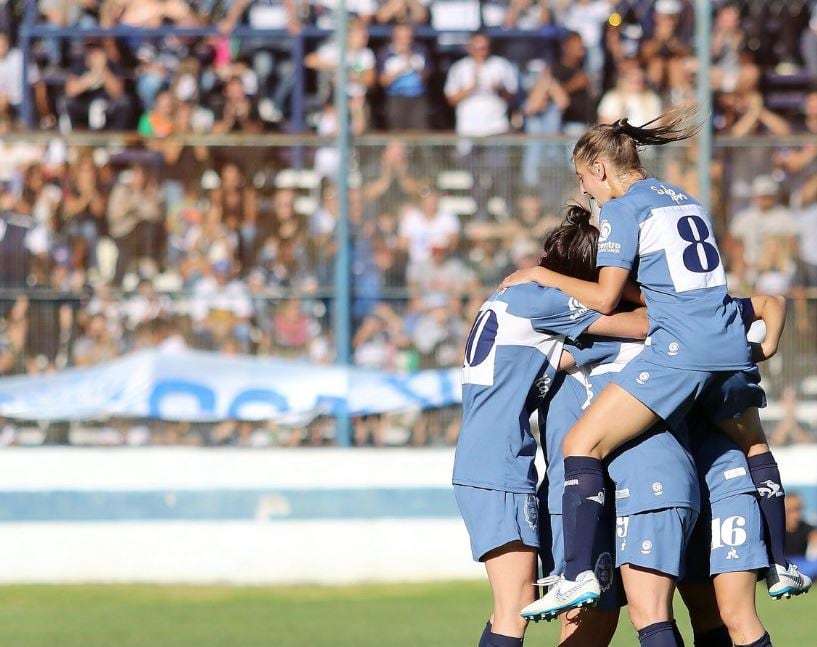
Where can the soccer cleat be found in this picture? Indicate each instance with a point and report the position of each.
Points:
(563, 596)
(786, 581)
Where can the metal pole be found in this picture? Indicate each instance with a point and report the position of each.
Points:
(343, 277)
(703, 47)
(26, 106)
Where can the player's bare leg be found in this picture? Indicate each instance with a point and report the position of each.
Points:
(587, 627)
(511, 573)
(735, 593)
(784, 579)
(704, 615)
(649, 603)
(612, 419)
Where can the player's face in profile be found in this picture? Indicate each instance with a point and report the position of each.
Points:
(590, 184)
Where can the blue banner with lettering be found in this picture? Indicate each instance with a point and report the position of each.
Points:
(200, 386)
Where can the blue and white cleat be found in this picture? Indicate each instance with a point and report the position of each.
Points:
(563, 596)
(786, 581)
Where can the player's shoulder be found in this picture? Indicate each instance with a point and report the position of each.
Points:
(648, 194)
(532, 300)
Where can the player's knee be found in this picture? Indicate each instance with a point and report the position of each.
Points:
(737, 618)
(647, 612)
(581, 444)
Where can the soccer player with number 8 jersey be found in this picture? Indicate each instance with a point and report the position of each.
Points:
(661, 237)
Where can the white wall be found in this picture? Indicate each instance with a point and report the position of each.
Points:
(249, 551)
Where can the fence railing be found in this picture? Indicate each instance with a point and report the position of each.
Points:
(238, 253)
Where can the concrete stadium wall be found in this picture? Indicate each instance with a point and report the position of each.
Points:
(245, 516)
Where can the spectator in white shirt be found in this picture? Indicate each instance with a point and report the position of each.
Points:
(426, 227)
(631, 98)
(750, 230)
(480, 87)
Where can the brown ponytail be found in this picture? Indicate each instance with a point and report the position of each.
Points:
(570, 249)
(620, 141)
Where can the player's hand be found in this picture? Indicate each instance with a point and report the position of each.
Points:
(538, 275)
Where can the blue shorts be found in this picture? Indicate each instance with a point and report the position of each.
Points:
(612, 597)
(495, 517)
(738, 545)
(656, 540)
(671, 392)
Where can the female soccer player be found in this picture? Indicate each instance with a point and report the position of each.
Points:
(656, 501)
(696, 341)
(511, 357)
(728, 550)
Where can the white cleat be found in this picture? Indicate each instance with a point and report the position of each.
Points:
(563, 596)
(786, 581)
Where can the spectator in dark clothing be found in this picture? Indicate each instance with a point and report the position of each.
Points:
(95, 93)
(801, 537)
(569, 72)
(403, 67)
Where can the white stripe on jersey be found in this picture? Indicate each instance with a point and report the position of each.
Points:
(659, 232)
(511, 331)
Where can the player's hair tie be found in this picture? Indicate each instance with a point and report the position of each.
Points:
(617, 126)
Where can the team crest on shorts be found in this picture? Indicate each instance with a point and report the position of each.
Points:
(673, 348)
(531, 511)
(646, 547)
(642, 378)
(604, 571)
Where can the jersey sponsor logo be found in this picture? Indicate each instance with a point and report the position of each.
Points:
(646, 547)
(658, 488)
(728, 532)
(674, 195)
(577, 308)
(531, 511)
(609, 248)
(673, 348)
(605, 229)
(604, 571)
(598, 498)
(770, 489)
(543, 385)
(623, 493)
(642, 378)
(734, 473)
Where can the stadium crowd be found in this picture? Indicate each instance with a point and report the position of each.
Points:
(231, 248)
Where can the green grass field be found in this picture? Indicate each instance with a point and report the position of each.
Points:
(450, 614)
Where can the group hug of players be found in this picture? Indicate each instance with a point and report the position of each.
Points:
(658, 471)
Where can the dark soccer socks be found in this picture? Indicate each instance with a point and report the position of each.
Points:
(771, 498)
(486, 634)
(582, 505)
(718, 637)
(763, 641)
(498, 640)
(660, 634)
(490, 639)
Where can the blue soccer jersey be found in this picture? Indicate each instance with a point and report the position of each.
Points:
(665, 238)
(511, 358)
(652, 472)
